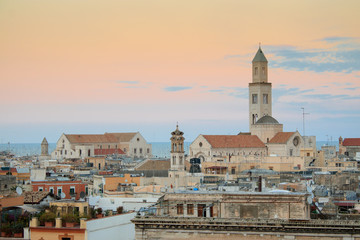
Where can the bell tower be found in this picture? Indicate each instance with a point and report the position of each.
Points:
(177, 156)
(259, 89)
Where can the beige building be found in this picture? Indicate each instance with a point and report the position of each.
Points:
(235, 205)
(285, 144)
(217, 148)
(90, 145)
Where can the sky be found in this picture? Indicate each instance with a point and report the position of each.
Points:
(76, 66)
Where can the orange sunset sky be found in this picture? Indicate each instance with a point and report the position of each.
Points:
(76, 66)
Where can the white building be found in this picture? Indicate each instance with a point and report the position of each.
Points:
(90, 145)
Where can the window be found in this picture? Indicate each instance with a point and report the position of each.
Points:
(180, 209)
(265, 98)
(263, 70)
(233, 171)
(65, 152)
(135, 150)
(108, 146)
(254, 98)
(40, 189)
(51, 190)
(140, 150)
(72, 190)
(89, 153)
(291, 152)
(59, 190)
(79, 152)
(148, 150)
(200, 144)
(256, 71)
(174, 160)
(180, 160)
(190, 209)
(124, 150)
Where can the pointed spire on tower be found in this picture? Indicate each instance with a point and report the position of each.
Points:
(259, 57)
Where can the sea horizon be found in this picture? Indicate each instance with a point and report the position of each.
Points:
(159, 149)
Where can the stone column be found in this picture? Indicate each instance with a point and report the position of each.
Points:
(207, 210)
(58, 223)
(185, 210)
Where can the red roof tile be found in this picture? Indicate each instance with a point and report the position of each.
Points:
(123, 137)
(351, 142)
(91, 138)
(105, 151)
(234, 141)
(281, 137)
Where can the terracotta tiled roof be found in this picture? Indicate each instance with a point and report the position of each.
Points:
(281, 137)
(351, 142)
(155, 165)
(102, 152)
(234, 141)
(91, 138)
(34, 197)
(122, 137)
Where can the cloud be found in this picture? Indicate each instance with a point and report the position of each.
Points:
(342, 56)
(176, 88)
(336, 39)
(129, 82)
(352, 88)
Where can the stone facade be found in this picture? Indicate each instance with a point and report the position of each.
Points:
(235, 205)
(219, 148)
(89, 145)
(288, 144)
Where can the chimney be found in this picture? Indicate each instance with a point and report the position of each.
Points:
(58, 223)
(34, 222)
(83, 223)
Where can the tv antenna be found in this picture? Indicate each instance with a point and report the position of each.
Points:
(304, 113)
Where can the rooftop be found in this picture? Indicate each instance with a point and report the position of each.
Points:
(234, 141)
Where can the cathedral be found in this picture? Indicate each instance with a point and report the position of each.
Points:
(265, 142)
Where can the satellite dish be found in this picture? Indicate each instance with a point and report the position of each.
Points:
(19, 190)
(309, 199)
(82, 195)
(62, 195)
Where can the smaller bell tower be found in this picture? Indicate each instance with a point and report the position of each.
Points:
(177, 154)
(44, 147)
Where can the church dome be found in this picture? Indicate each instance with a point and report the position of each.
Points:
(267, 120)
